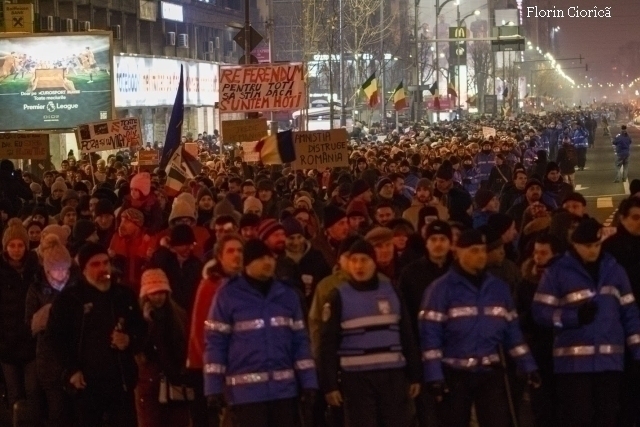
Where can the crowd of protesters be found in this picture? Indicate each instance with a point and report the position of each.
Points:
(444, 268)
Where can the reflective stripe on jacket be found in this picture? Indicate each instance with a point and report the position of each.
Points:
(598, 346)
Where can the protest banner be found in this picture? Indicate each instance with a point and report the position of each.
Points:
(24, 146)
(191, 148)
(262, 87)
(109, 135)
(487, 132)
(244, 130)
(248, 152)
(148, 158)
(321, 149)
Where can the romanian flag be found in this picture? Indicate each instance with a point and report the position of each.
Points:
(370, 89)
(174, 130)
(276, 149)
(399, 98)
(176, 175)
(451, 91)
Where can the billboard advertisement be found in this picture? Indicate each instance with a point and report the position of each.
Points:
(144, 81)
(54, 81)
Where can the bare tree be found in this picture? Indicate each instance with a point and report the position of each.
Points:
(480, 54)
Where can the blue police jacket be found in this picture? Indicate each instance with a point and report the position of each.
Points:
(370, 329)
(600, 345)
(622, 144)
(463, 326)
(580, 137)
(471, 180)
(256, 346)
(484, 163)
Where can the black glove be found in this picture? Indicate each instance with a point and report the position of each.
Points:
(215, 403)
(587, 312)
(534, 380)
(437, 389)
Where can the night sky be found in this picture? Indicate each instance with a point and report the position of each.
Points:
(597, 39)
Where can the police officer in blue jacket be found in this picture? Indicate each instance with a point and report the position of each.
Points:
(468, 317)
(622, 144)
(586, 297)
(257, 353)
(580, 137)
(367, 341)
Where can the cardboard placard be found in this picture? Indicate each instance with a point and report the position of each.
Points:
(488, 131)
(321, 149)
(248, 152)
(109, 135)
(264, 87)
(24, 146)
(148, 157)
(244, 130)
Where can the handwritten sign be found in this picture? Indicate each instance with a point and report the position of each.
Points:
(321, 149)
(244, 130)
(248, 152)
(148, 158)
(109, 135)
(24, 146)
(264, 87)
(487, 132)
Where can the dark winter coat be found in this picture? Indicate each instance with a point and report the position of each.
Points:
(16, 342)
(312, 268)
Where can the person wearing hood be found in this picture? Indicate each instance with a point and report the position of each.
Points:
(18, 271)
(34, 231)
(56, 274)
(311, 264)
(585, 296)
(486, 203)
(622, 144)
(226, 263)
(206, 204)
(54, 201)
(143, 199)
(554, 185)
(546, 250)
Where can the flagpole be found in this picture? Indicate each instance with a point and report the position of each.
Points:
(397, 121)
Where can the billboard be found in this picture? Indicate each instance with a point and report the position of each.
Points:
(54, 81)
(144, 81)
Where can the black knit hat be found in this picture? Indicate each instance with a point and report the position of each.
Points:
(483, 197)
(445, 171)
(438, 227)
(103, 207)
(552, 166)
(333, 214)
(470, 238)
(575, 197)
(361, 246)
(182, 234)
(382, 182)
(500, 222)
(82, 229)
(358, 187)
(255, 249)
(531, 183)
(88, 251)
(588, 231)
(345, 246)
(249, 220)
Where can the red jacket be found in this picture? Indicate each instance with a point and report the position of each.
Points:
(212, 279)
(130, 256)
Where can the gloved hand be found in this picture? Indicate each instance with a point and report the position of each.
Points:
(215, 403)
(437, 389)
(534, 380)
(587, 312)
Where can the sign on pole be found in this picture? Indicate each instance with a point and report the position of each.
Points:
(248, 152)
(488, 131)
(263, 87)
(18, 18)
(148, 157)
(321, 149)
(109, 135)
(24, 146)
(244, 130)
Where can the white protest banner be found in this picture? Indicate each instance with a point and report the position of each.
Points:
(262, 87)
(321, 149)
(487, 131)
(24, 146)
(109, 135)
(248, 152)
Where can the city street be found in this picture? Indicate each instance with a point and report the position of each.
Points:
(596, 181)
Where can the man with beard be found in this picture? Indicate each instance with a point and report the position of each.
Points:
(336, 229)
(384, 213)
(410, 179)
(94, 329)
(424, 197)
(540, 338)
(513, 191)
(451, 196)
(532, 194)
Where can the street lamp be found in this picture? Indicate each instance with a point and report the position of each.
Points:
(438, 10)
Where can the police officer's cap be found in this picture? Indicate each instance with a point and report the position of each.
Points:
(589, 230)
(470, 238)
(438, 227)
